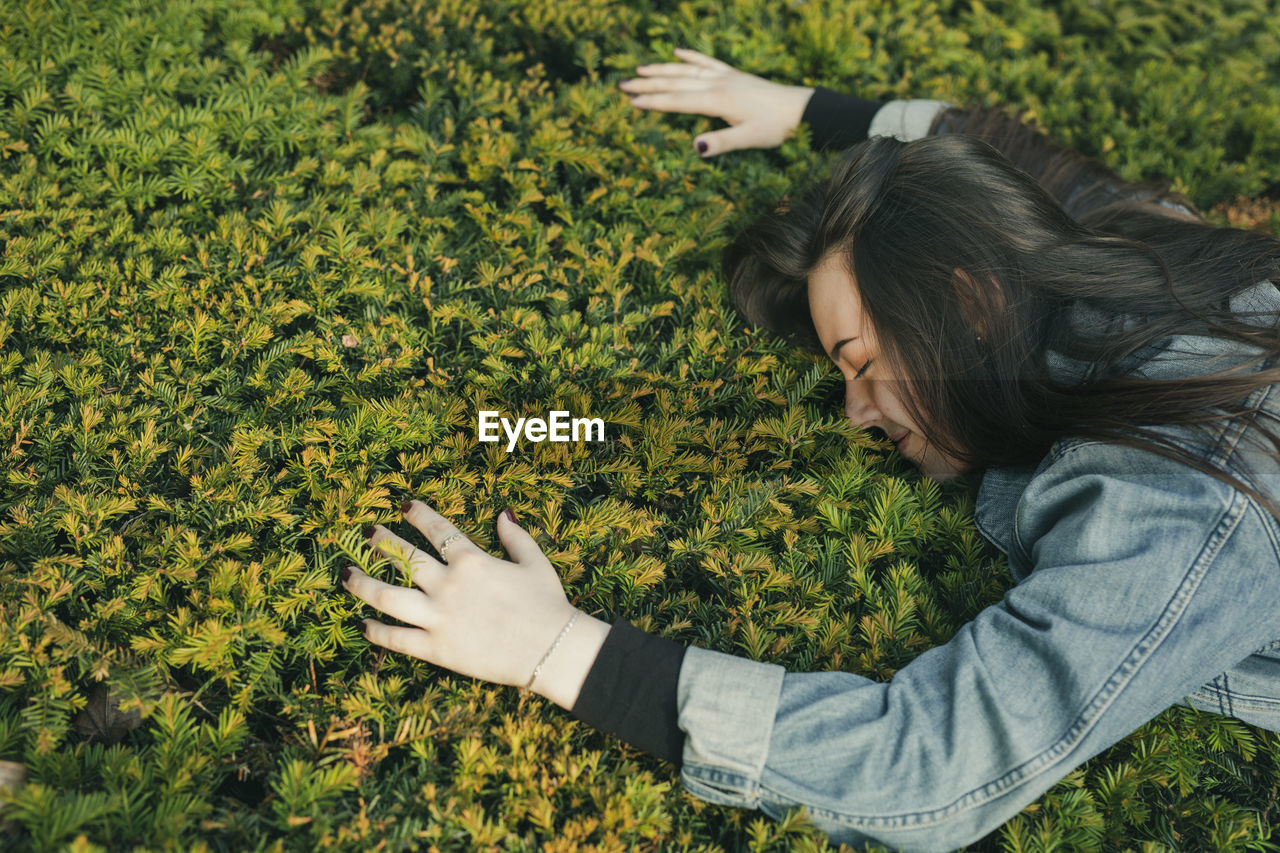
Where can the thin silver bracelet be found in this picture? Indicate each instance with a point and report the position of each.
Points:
(537, 670)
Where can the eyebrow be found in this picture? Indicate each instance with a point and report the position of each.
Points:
(836, 349)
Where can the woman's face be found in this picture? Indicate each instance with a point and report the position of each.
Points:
(871, 393)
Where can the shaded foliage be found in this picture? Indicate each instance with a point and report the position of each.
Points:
(263, 264)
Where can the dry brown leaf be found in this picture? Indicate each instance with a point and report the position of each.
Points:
(1251, 213)
(12, 774)
(101, 718)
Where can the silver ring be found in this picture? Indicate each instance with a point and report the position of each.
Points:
(447, 540)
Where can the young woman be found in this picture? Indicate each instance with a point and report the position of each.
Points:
(996, 303)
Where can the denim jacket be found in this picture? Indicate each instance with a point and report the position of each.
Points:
(1140, 583)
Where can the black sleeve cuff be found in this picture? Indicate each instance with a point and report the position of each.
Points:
(630, 691)
(837, 120)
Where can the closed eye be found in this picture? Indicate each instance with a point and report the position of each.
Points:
(862, 370)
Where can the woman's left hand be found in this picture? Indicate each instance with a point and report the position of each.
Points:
(476, 614)
(761, 113)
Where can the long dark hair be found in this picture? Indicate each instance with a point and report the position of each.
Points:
(976, 279)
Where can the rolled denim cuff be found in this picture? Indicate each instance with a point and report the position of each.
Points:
(727, 707)
(906, 120)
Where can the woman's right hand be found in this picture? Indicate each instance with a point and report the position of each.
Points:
(761, 114)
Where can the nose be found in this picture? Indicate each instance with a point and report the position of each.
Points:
(859, 405)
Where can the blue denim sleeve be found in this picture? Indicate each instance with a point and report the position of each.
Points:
(1149, 578)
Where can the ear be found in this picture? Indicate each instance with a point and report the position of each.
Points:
(981, 301)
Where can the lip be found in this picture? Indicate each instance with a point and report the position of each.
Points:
(900, 438)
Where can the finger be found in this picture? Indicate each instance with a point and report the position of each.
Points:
(694, 64)
(407, 641)
(521, 547)
(725, 140)
(677, 70)
(665, 69)
(399, 602)
(700, 102)
(411, 561)
(665, 84)
(437, 529)
(701, 59)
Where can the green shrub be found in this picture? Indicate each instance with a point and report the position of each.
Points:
(263, 264)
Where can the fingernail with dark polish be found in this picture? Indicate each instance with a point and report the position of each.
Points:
(511, 516)
(369, 531)
(702, 147)
(405, 507)
(364, 629)
(346, 573)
